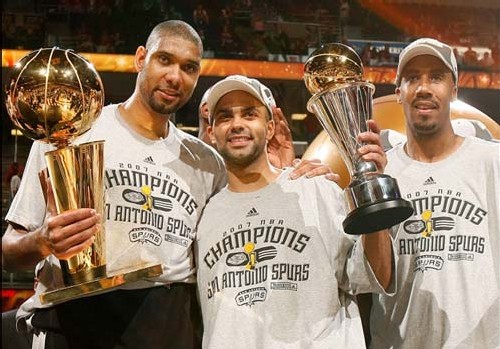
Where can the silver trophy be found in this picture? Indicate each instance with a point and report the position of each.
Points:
(342, 102)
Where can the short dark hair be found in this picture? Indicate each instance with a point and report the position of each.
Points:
(174, 28)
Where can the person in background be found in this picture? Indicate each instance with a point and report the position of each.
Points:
(15, 182)
(448, 286)
(203, 118)
(271, 252)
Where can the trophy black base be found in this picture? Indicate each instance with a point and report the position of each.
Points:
(108, 282)
(377, 216)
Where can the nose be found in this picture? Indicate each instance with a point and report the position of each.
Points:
(237, 122)
(423, 87)
(173, 74)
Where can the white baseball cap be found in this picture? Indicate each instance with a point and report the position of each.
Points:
(240, 83)
(427, 46)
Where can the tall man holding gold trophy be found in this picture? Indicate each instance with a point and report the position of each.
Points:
(157, 181)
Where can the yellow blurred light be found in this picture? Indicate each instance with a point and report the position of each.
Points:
(298, 116)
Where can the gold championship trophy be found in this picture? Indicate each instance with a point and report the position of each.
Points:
(55, 95)
(342, 102)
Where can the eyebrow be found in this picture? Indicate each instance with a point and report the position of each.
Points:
(170, 55)
(243, 109)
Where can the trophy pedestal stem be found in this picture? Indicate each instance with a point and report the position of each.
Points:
(374, 203)
(108, 282)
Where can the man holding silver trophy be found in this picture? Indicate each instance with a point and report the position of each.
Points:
(275, 268)
(448, 267)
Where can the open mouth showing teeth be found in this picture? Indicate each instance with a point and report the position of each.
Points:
(236, 140)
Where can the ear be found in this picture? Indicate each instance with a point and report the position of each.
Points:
(140, 57)
(455, 93)
(398, 94)
(271, 127)
(210, 132)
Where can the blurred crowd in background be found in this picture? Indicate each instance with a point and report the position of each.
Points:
(252, 29)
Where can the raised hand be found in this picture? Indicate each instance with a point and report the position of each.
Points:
(280, 147)
(312, 168)
(372, 149)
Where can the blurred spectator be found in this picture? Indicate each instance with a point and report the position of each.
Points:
(11, 170)
(15, 182)
(277, 41)
(200, 18)
(173, 13)
(105, 43)
(201, 24)
(8, 30)
(256, 47)
(85, 43)
(227, 41)
(120, 44)
(13, 176)
(385, 57)
(270, 39)
(470, 57)
(366, 54)
(495, 53)
(374, 57)
(312, 36)
(486, 61)
(257, 20)
(344, 11)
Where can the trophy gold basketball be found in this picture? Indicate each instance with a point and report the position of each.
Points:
(55, 95)
(342, 102)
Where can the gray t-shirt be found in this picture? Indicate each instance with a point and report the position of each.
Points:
(275, 269)
(448, 253)
(180, 172)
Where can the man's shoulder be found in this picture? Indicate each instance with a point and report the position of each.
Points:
(219, 202)
(194, 144)
(106, 115)
(478, 150)
(486, 143)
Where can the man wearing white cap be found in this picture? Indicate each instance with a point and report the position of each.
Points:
(280, 149)
(275, 269)
(448, 252)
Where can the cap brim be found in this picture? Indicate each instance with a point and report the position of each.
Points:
(223, 87)
(421, 50)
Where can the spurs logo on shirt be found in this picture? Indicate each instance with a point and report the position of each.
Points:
(250, 254)
(428, 234)
(150, 202)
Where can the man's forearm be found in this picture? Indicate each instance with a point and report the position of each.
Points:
(21, 250)
(378, 251)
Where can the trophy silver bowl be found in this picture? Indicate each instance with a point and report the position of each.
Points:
(342, 102)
